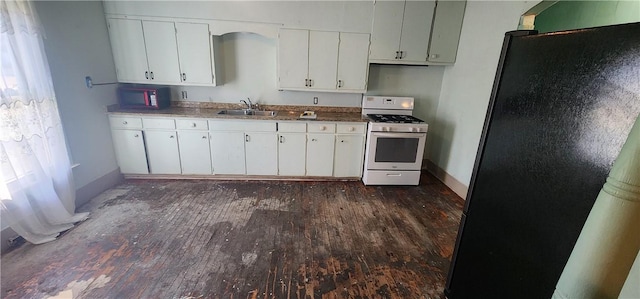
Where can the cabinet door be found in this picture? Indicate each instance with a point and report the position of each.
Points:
(320, 154)
(194, 51)
(416, 29)
(162, 52)
(261, 150)
(292, 154)
(348, 156)
(162, 152)
(129, 148)
(323, 59)
(447, 24)
(353, 61)
(129, 54)
(195, 156)
(387, 26)
(227, 152)
(293, 58)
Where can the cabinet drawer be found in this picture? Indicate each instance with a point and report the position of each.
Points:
(243, 126)
(292, 127)
(192, 124)
(351, 128)
(321, 128)
(120, 122)
(159, 123)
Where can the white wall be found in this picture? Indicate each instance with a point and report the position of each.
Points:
(350, 16)
(466, 86)
(77, 45)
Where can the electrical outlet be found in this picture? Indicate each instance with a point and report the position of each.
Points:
(315, 100)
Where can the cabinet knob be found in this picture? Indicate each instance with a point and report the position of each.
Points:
(136, 135)
(124, 122)
(193, 125)
(171, 136)
(314, 139)
(351, 129)
(342, 141)
(322, 128)
(434, 55)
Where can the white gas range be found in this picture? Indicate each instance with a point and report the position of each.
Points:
(395, 141)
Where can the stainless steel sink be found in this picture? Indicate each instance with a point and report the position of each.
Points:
(248, 112)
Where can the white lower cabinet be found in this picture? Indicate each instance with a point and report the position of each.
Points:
(227, 152)
(348, 156)
(197, 146)
(129, 149)
(195, 155)
(162, 152)
(320, 154)
(261, 152)
(292, 154)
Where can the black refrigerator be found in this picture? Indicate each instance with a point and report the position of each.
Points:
(561, 108)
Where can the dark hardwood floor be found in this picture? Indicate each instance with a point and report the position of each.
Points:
(247, 239)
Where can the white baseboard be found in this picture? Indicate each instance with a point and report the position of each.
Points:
(456, 186)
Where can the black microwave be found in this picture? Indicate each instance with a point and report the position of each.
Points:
(144, 97)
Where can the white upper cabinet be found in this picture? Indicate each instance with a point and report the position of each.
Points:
(387, 27)
(353, 61)
(293, 58)
(310, 60)
(416, 28)
(162, 52)
(416, 32)
(194, 52)
(445, 35)
(129, 53)
(323, 59)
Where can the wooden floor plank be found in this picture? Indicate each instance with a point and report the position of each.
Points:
(248, 239)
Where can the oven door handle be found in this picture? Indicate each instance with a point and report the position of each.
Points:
(399, 135)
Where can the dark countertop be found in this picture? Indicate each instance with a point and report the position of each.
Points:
(293, 113)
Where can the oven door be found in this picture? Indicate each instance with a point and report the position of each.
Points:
(395, 151)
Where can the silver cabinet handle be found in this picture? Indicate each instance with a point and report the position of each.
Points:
(193, 125)
(184, 76)
(146, 74)
(306, 82)
(397, 54)
(281, 139)
(246, 137)
(401, 54)
(171, 136)
(314, 139)
(151, 75)
(339, 83)
(310, 82)
(136, 135)
(204, 137)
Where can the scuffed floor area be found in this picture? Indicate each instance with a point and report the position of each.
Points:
(222, 239)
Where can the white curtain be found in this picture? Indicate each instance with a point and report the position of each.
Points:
(37, 194)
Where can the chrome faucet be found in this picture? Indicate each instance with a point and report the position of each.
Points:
(249, 105)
